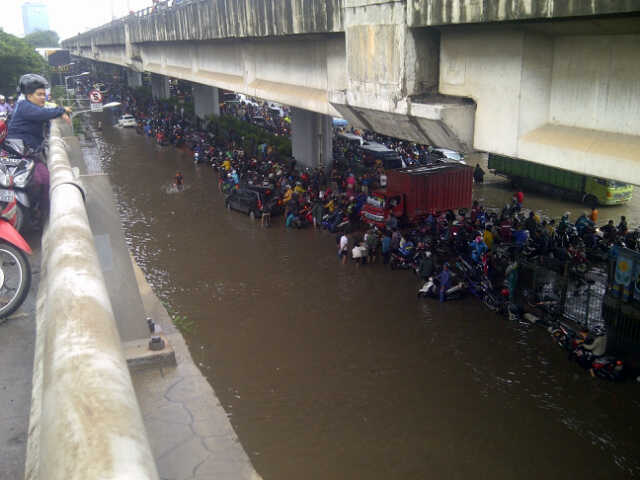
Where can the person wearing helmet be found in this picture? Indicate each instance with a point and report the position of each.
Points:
(27, 123)
(30, 115)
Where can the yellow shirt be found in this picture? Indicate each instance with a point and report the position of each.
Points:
(299, 189)
(287, 195)
(330, 206)
(488, 238)
(227, 165)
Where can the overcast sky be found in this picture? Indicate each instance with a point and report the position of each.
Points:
(69, 17)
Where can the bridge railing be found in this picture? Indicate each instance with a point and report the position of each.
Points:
(85, 420)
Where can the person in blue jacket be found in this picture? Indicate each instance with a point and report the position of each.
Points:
(27, 123)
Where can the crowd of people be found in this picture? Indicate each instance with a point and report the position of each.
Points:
(480, 247)
(334, 199)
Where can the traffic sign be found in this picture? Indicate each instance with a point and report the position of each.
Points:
(95, 96)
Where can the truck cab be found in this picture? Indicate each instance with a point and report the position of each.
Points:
(606, 192)
(379, 207)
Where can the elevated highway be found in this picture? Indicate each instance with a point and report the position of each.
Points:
(548, 81)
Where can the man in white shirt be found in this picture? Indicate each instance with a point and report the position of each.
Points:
(343, 249)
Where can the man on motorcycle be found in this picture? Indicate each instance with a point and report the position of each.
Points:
(27, 124)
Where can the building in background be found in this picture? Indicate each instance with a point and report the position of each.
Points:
(34, 17)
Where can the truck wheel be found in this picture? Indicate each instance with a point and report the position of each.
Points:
(591, 201)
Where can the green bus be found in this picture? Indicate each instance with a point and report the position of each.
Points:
(583, 188)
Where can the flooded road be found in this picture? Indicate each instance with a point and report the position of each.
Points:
(329, 371)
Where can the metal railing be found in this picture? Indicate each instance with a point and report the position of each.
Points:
(85, 420)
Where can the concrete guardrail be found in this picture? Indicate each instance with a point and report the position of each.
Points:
(85, 420)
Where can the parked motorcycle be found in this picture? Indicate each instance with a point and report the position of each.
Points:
(15, 270)
(431, 289)
(16, 171)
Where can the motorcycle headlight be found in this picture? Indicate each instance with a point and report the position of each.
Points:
(5, 177)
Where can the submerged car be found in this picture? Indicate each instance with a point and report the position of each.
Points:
(127, 121)
(254, 201)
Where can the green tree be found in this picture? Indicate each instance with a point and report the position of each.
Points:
(17, 57)
(43, 39)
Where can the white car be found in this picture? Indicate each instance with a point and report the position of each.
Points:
(127, 121)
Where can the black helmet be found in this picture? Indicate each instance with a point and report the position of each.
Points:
(31, 82)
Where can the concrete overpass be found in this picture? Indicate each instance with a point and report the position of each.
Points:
(550, 81)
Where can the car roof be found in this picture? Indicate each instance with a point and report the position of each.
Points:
(376, 147)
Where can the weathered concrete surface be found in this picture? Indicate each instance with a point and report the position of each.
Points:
(84, 420)
(17, 343)
(160, 87)
(296, 71)
(134, 79)
(216, 19)
(583, 87)
(110, 244)
(206, 101)
(392, 79)
(190, 433)
(311, 139)
(427, 13)
(462, 74)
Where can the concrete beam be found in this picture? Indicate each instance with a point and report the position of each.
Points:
(429, 13)
(311, 139)
(206, 101)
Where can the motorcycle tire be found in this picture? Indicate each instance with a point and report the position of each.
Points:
(490, 303)
(12, 256)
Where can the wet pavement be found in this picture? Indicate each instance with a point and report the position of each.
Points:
(17, 344)
(332, 371)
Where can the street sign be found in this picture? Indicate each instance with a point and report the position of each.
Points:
(95, 96)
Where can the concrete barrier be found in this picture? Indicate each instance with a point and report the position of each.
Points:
(85, 420)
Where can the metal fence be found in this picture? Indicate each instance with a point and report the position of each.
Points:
(577, 297)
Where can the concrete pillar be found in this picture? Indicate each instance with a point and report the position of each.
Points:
(159, 86)
(134, 79)
(206, 101)
(311, 139)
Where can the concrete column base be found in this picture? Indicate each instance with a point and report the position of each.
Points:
(160, 87)
(134, 79)
(311, 139)
(206, 101)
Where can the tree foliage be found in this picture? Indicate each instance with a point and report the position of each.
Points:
(43, 39)
(17, 57)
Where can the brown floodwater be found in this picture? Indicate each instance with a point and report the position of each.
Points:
(337, 371)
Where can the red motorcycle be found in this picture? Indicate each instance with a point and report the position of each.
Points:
(15, 270)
